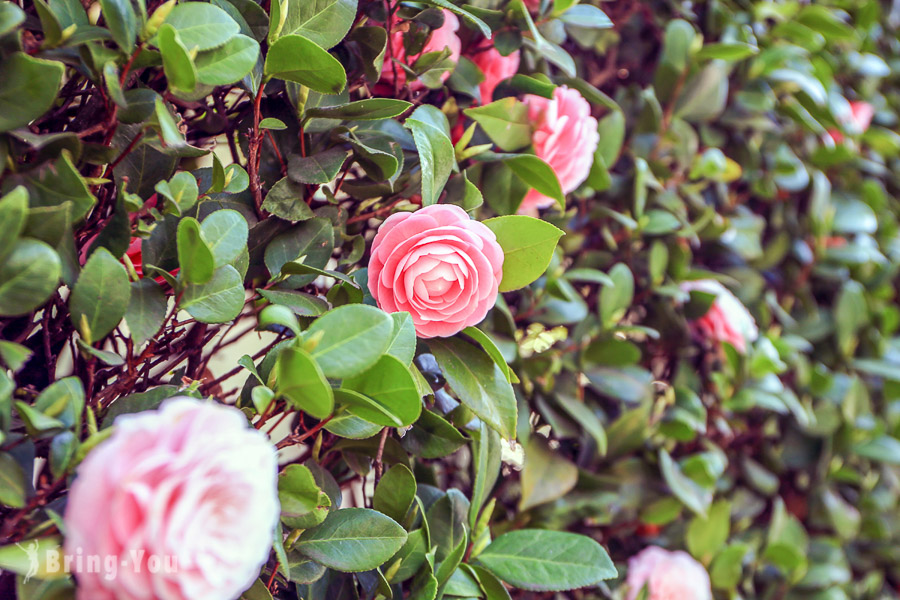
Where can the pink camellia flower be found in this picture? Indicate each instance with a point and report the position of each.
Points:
(437, 264)
(727, 320)
(496, 68)
(667, 576)
(182, 502)
(566, 137)
(857, 121)
(443, 37)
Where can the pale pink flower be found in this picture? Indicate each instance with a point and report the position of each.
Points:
(437, 264)
(496, 68)
(667, 576)
(727, 320)
(566, 137)
(443, 37)
(855, 122)
(189, 489)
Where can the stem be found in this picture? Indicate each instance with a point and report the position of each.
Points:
(253, 159)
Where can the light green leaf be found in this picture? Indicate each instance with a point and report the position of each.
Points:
(26, 77)
(295, 58)
(436, 158)
(353, 338)
(505, 121)
(389, 384)
(543, 560)
(217, 301)
(302, 382)
(352, 540)
(228, 64)
(194, 255)
(528, 246)
(202, 26)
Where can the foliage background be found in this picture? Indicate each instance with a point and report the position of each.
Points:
(778, 470)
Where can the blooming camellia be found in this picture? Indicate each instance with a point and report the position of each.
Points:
(184, 498)
(667, 576)
(566, 137)
(727, 320)
(442, 37)
(496, 68)
(439, 265)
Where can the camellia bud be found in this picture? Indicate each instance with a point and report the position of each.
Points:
(156, 19)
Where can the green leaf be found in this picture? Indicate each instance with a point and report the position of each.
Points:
(371, 42)
(436, 159)
(275, 314)
(389, 384)
(616, 299)
(706, 535)
(541, 560)
(321, 167)
(100, 296)
(26, 77)
(487, 453)
(133, 403)
(11, 16)
(728, 51)
(537, 174)
(312, 239)
(28, 275)
(586, 418)
(690, 494)
(18, 558)
(14, 355)
(403, 338)
(12, 482)
(13, 213)
(121, 21)
(353, 338)
(528, 246)
(372, 109)
(202, 26)
(177, 63)
(302, 382)
(587, 16)
(302, 304)
(488, 345)
(217, 301)
(395, 493)
(272, 123)
(478, 382)
(146, 310)
(546, 475)
(57, 183)
(884, 449)
(726, 569)
(62, 400)
(352, 540)
(505, 121)
(229, 63)
(303, 503)
(181, 191)
(225, 233)
(433, 437)
(285, 200)
(324, 22)
(295, 58)
(194, 256)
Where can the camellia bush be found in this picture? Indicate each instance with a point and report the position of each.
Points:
(410, 300)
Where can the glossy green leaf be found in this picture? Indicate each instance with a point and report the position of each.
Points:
(302, 382)
(295, 58)
(352, 540)
(528, 246)
(100, 296)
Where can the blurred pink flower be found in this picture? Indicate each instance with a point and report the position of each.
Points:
(727, 320)
(439, 265)
(443, 37)
(855, 122)
(667, 576)
(189, 487)
(496, 68)
(566, 137)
